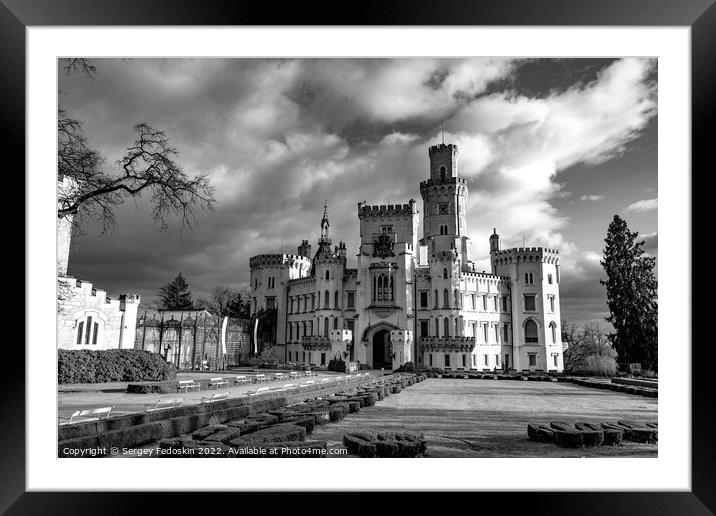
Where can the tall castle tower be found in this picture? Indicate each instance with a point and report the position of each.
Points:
(444, 207)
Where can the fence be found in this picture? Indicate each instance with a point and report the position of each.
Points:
(194, 340)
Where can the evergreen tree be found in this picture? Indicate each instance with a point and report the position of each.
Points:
(176, 295)
(631, 296)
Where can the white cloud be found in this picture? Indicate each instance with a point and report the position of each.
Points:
(643, 205)
(591, 198)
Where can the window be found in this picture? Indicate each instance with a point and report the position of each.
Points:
(442, 173)
(327, 299)
(325, 327)
(506, 336)
(555, 359)
(80, 327)
(549, 278)
(457, 326)
(383, 288)
(553, 327)
(446, 327)
(424, 328)
(497, 333)
(318, 298)
(328, 275)
(529, 278)
(507, 361)
(456, 298)
(484, 332)
(437, 328)
(530, 304)
(442, 208)
(323, 359)
(447, 360)
(504, 304)
(487, 360)
(313, 301)
(445, 273)
(551, 303)
(270, 303)
(335, 300)
(474, 360)
(533, 359)
(531, 331)
(494, 302)
(290, 332)
(436, 298)
(424, 299)
(386, 229)
(464, 361)
(88, 331)
(335, 323)
(443, 229)
(430, 357)
(497, 360)
(351, 301)
(472, 301)
(289, 356)
(446, 299)
(484, 303)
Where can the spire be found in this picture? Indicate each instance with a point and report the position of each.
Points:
(442, 128)
(324, 221)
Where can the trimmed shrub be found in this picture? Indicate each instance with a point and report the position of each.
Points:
(407, 367)
(207, 431)
(112, 365)
(337, 365)
(307, 422)
(274, 434)
(360, 444)
(397, 445)
(568, 438)
(243, 425)
(540, 433)
(225, 435)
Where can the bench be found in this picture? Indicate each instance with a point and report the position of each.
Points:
(294, 374)
(163, 404)
(311, 373)
(215, 397)
(260, 390)
(187, 385)
(309, 382)
(260, 378)
(218, 382)
(80, 416)
(289, 386)
(280, 376)
(241, 379)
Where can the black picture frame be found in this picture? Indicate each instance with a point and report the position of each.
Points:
(700, 15)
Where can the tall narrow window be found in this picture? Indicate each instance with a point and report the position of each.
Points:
(530, 304)
(89, 330)
(442, 173)
(437, 327)
(436, 298)
(549, 278)
(95, 331)
(506, 333)
(327, 299)
(531, 331)
(335, 323)
(457, 327)
(325, 327)
(335, 300)
(445, 273)
(446, 327)
(80, 327)
(456, 296)
(484, 332)
(553, 327)
(446, 299)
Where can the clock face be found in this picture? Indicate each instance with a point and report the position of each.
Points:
(383, 246)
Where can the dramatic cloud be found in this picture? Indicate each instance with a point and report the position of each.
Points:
(651, 242)
(278, 137)
(643, 205)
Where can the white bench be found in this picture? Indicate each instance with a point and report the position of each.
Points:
(280, 376)
(289, 386)
(309, 382)
(242, 379)
(215, 397)
(260, 390)
(81, 416)
(260, 378)
(294, 374)
(218, 382)
(163, 404)
(311, 373)
(187, 385)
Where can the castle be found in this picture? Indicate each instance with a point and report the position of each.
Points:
(412, 299)
(87, 318)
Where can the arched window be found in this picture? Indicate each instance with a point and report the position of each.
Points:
(456, 301)
(446, 327)
(335, 323)
(318, 298)
(445, 273)
(88, 330)
(328, 275)
(327, 299)
(531, 331)
(553, 327)
(437, 327)
(446, 299)
(325, 327)
(436, 298)
(335, 300)
(442, 173)
(457, 326)
(384, 287)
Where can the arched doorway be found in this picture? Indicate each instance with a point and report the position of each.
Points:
(382, 350)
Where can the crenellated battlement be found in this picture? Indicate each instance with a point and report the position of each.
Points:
(383, 210)
(525, 254)
(442, 148)
(299, 282)
(485, 276)
(461, 344)
(276, 260)
(441, 183)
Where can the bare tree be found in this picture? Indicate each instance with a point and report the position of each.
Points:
(225, 302)
(148, 166)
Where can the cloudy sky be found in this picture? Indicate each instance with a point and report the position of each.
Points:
(552, 150)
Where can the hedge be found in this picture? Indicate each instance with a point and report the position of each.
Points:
(112, 365)
(275, 434)
(396, 445)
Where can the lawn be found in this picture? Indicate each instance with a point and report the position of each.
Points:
(488, 418)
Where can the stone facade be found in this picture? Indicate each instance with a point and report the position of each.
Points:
(87, 318)
(415, 300)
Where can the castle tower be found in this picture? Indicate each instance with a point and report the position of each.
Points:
(445, 205)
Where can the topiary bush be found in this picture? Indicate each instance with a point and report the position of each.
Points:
(338, 365)
(112, 365)
(407, 367)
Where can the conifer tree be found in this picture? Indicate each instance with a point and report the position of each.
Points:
(631, 296)
(176, 295)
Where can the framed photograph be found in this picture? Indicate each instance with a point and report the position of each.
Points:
(419, 244)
